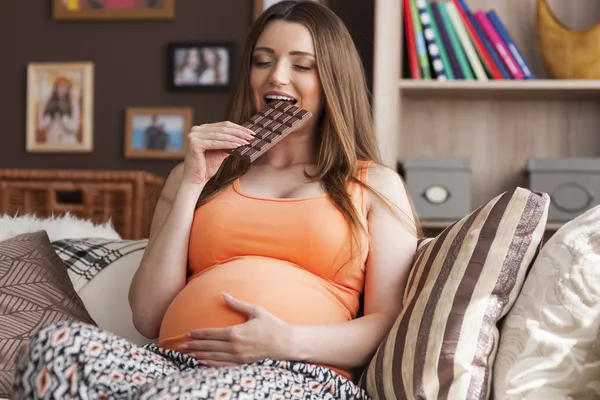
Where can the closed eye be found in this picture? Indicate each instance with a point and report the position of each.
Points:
(262, 64)
(303, 67)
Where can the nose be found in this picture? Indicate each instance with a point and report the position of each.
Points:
(280, 75)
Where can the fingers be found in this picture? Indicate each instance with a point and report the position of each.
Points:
(250, 310)
(219, 136)
(214, 357)
(200, 145)
(224, 334)
(207, 346)
(223, 130)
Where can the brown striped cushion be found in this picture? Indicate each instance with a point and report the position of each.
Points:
(35, 290)
(443, 344)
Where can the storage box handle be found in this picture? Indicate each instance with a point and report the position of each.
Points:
(436, 194)
(555, 197)
(70, 197)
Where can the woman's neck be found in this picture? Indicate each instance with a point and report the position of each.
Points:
(298, 148)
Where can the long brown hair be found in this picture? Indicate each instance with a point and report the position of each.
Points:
(345, 129)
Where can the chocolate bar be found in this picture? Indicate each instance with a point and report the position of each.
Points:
(271, 124)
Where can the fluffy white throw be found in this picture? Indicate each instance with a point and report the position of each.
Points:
(65, 226)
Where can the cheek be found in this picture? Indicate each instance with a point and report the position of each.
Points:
(258, 79)
(257, 85)
(311, 91)
(255, 82)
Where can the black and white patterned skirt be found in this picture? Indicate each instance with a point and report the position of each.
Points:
(80, 361)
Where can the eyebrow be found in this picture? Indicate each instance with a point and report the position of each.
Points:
(292, 53)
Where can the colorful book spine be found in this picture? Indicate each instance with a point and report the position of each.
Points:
(462, 9)
(462, 34)
(489, 47)
(440, 42)
(420, 40)
(501, 48)
(465, 67)
(507, 39)
(413, 59)
(437, 65)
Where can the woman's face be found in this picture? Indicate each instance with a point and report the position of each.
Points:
(210, 57)
(62, 89)
(284, 63)
(193, 58)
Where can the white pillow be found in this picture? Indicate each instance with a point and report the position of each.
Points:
(101, 271)
(550, 340)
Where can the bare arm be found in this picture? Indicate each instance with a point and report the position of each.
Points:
(161, 274)
(393, 246)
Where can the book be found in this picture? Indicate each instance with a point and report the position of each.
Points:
(420, 41)
(437, 65)
(507, 39)
(457, 48)
(413, 58)
(462, 9)
(489, 47)
(463, 36)
(442, 45)
(501, 48)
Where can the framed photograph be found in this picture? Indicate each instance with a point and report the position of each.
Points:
(200, 66)
(72, 10)
(60, 107)
(262, 5)
(157, 132)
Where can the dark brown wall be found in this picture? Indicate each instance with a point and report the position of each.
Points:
(129, 62)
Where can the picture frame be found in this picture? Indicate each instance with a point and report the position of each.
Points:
(60, 112)
(200, 66)
(157, 132)
(76, 10)
(262, 5)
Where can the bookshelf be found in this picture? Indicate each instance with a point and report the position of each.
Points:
(498, 124)
(539, 89)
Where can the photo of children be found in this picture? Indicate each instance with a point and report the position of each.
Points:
(196, 66)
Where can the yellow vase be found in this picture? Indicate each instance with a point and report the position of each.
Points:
(567, 53)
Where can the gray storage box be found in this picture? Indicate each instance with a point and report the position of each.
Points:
(439, 186)
(572, 183)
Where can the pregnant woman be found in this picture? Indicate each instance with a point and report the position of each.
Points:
(272, 279)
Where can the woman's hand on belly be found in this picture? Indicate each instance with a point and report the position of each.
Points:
(262, 336)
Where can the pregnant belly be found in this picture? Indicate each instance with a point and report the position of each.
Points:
(291, 293)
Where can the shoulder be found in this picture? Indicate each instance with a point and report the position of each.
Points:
(389, 184)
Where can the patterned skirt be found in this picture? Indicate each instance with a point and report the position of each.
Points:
(80, 361)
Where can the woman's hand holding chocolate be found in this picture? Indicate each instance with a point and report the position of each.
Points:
(206, 149)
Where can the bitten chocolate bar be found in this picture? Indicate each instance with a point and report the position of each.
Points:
(271, 124)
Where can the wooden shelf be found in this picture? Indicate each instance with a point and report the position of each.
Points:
(443, 224)
(543, 89)
(498, 124)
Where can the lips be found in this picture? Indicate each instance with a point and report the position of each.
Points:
(279, 96)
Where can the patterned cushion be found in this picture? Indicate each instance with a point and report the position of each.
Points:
(462, 283)
(101, 271)
(550, 340)
(35, 291)
(86, 258)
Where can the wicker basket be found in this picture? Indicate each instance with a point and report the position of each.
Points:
(127, 198)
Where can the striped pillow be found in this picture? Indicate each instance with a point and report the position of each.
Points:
(462, 282)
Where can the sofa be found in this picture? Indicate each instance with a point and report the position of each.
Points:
(491, 310)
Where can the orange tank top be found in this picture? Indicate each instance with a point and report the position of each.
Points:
(294, 257)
